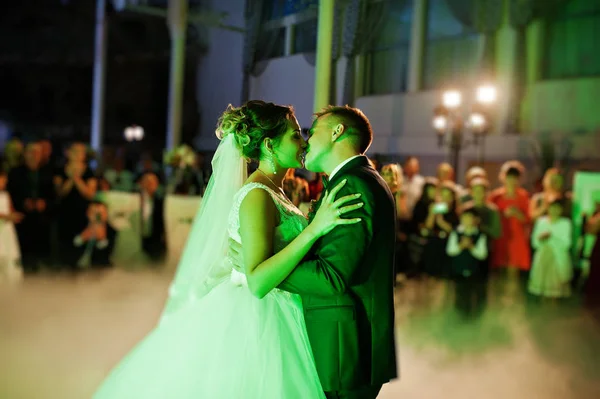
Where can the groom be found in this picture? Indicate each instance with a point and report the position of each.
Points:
(346, 282)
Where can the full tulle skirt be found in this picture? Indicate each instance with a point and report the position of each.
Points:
(228, 344)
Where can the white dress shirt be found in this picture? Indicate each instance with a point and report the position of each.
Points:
(479, 249)
(413, 188)
(341, 165)
(147, 209)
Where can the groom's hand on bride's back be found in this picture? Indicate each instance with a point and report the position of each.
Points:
(235, 255)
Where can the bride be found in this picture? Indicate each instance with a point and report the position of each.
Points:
(224, 333)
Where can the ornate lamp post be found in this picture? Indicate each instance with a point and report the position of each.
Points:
(452, 119)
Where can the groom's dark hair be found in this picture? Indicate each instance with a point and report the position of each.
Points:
(354, 120)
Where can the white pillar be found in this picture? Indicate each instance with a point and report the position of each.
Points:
(535, 50)
(418, 36)
(505, 63)
(99, 75)
(323, 62)
(177, 20)
(535, 60)
(289, 40)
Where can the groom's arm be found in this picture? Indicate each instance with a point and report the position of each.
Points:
(338, 254)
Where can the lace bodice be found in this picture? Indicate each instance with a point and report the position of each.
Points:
(292, 220)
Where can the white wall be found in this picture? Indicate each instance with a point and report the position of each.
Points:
(565, 105)
(220, 72)
(402, 122)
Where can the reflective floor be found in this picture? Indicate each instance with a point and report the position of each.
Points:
(59, 335)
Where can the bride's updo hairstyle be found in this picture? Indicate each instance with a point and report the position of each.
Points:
(252, 123)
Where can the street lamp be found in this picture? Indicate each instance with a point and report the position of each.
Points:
(133, 133)
(452, 99)
(451, 119)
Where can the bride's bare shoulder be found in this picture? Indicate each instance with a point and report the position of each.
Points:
(257, 203)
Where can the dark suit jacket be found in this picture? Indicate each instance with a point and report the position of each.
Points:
(346, 285)
(155, 244)
(24, 184)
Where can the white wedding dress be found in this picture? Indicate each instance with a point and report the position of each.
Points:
(227, 344)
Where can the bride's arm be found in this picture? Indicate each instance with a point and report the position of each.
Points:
(258, 216)
(265, 270)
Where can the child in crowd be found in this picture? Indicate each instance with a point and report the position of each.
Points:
(552, 270)
(95, 242)
(467, 249)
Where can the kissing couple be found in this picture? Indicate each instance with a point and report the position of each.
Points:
(266, 303)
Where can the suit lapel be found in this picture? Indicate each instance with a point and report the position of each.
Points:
(358, 162)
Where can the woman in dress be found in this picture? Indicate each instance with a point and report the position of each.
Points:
(393, 176)
(10, 252)
(228, 333)
(417, 238)
(552, 270)
(512, 250)
(553, 189)
(441, 219)
(592, 285)
(75, 186)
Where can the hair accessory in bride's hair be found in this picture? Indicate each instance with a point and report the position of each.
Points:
(234, 121)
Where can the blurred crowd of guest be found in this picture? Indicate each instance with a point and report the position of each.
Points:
(51, 215)
(52, 212)
(465, 233)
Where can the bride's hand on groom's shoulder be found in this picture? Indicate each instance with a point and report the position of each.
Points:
(235, 256)
(329, 215)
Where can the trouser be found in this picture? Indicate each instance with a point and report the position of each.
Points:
(368, 392)
(471, 295)
(34, 239)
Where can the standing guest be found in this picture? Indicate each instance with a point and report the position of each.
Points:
(75, 186)
(303, 195)
(30, 187)
(153, 219)
(315, 186)
(392, 175)
(118, 177)
(445, 173)
(552, 189)
(467, 249)
(296, 189)
(552, 269)
(148, 165)
(442, 218)
(474, 172)
(13, 154)
(289, 184)
(592, 285)
(10, 253)
(412, 184)
(418, 233)
(512, 250)
(47, 160)
(490, 221)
